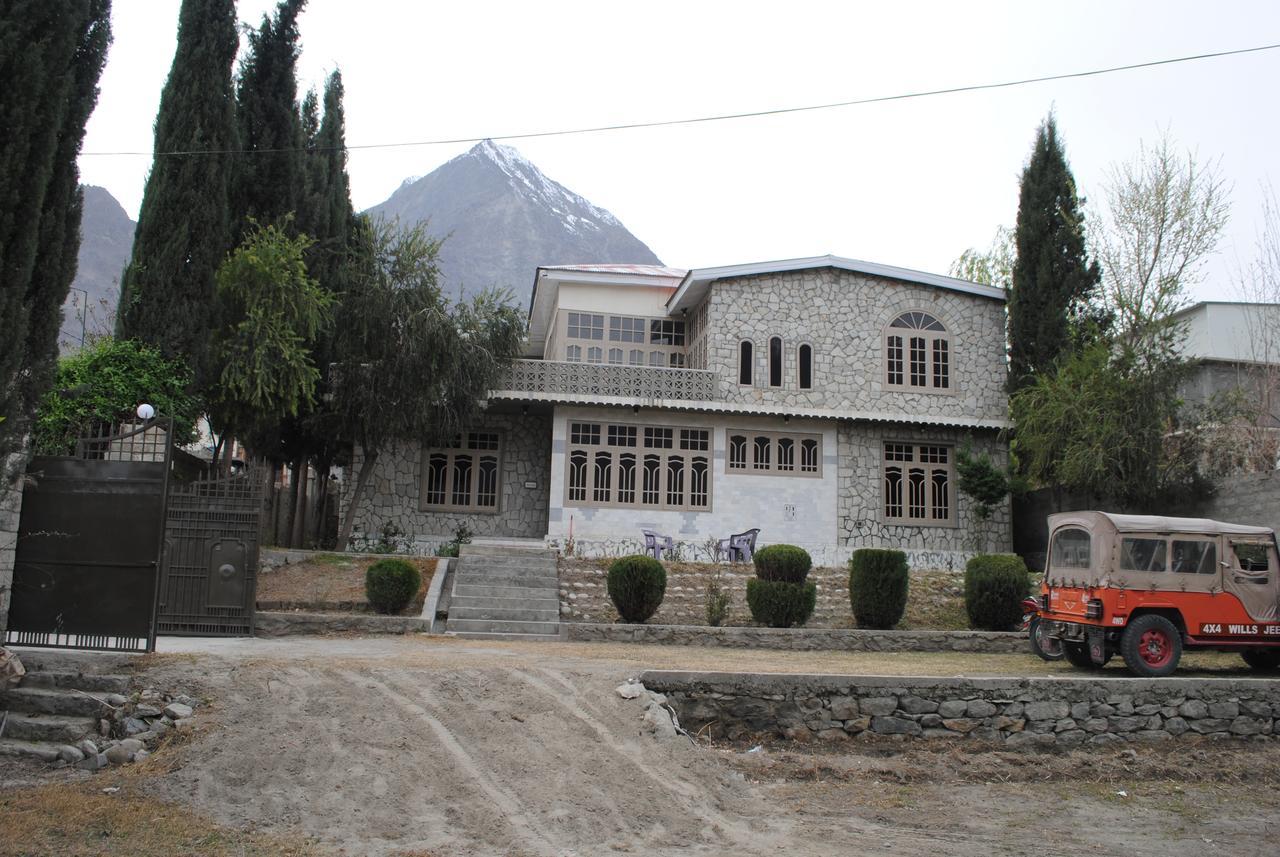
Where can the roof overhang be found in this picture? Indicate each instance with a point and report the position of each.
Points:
(695, 285)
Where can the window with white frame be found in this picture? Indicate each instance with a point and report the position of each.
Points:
(585, 325)
(774, 453)
(917, 353)
(464, 476)
(626, 329)
(917, 481)
(661, 342)
(656, 467)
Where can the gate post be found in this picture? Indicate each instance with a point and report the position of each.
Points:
(10, 513)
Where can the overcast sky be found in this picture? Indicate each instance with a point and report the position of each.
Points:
(910, 183)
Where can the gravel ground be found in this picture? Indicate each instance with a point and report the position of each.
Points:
(422, 745)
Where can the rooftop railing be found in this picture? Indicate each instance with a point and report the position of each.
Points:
(653, 383)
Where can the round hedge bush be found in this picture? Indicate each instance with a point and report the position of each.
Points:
(786, 563)
(780, 604)
(636, 586)
(878, 587)
(390, 584)
(994, 586)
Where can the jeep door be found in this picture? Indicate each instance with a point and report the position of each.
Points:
(1250, 573)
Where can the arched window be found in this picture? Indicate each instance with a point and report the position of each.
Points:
(775, 361)
(745, 358)
(804, 366)
(917, 353)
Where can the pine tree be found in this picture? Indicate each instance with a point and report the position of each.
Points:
(184, 226)
(1053, 280)
(271, 179)
(51, 56)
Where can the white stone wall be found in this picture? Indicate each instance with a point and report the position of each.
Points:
(843, 314)
(393, 496)
(934, 547)
(738, 501)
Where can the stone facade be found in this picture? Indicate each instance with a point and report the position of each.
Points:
(393, 498)
(1031, 712)
(861, 504)
(10, 512)
(843, 315)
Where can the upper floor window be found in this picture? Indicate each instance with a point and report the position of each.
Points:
(624, 329)
(917, 353)
(666, 331)
(775, 361)
(585, 325)
(464, 476)
(804, 366)
(745, 365)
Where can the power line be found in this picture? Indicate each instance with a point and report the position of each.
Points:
(661, 123)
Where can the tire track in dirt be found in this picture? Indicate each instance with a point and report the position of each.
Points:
(513, 811)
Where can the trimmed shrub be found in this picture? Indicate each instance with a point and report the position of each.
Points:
(994, 586)
(718, 599)
(390, 584)
(780, 604)
(636, 586)
(786, 563)
(878, 587)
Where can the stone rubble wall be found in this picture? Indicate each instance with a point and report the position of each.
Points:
(1030, 712)
(802, 639)
(10, 514)
(288, 624)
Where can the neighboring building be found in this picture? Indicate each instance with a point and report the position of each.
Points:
(820, 400)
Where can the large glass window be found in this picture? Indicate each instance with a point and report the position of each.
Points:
(585, 325)
(916, 484)
(774, 453)
(624, 329)
(464, 476)
(917, 353)
(666, 331)
(662, 467)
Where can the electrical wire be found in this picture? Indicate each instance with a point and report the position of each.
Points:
(661, 123)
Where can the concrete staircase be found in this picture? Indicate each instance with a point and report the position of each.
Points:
(52, 709)
(505, 591)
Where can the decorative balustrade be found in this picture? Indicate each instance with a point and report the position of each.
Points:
(533, 377)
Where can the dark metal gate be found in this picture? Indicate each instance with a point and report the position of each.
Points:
(209, 580)
(89, 542)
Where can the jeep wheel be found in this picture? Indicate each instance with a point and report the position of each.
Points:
(1264, 660)
(1077, 655)
(1047, 648)
(1151, 646)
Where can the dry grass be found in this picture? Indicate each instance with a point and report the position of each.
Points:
(935, 602)
(331, 582)
(80, 819)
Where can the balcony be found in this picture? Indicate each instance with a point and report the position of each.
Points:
(557, 381)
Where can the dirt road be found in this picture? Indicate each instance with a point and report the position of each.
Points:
(417, 745)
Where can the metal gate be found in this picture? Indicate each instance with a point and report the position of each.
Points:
(209, 580)
(89, 542)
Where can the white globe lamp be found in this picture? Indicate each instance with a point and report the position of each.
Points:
(145, 411)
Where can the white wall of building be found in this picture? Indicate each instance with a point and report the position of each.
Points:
(1233, 332)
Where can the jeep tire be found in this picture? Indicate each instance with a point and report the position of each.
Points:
(1078, 656)
(1047, 648)
(1263, 660)
(1151, 646)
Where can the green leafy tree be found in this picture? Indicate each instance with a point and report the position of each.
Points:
(410, 366)
(103, 383)
(1053, 283)
(274, 312)
(51, 56)
(184, 225)
(270, 181)
(992, 267)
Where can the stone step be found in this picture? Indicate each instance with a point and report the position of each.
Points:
(527, 581)
(499, 635)
(54, 728)
(507, 614)
(30, 749)
(503, 550)
(485, 590)
(533, 601)
(499, 626)
(542, 569)
(78, 681)
(41, 700)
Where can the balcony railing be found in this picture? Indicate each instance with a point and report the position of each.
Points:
(652, 383)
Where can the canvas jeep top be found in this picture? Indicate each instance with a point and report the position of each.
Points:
(1146, 587)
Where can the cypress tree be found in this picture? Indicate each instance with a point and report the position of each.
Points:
(184, 228)
(271, 179)
(1053, 279)
(51, 56)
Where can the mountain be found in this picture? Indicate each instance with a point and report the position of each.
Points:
(106, 237)
(501, 218)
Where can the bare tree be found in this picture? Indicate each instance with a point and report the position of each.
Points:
(1165, 216)
(1259, 285)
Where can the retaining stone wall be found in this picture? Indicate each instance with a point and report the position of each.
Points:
(294, 624)
(802, 639)
(10, 513)
(1033, 712)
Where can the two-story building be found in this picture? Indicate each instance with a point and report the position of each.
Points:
(820, 400)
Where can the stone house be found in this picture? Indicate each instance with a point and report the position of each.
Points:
(821, 400)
